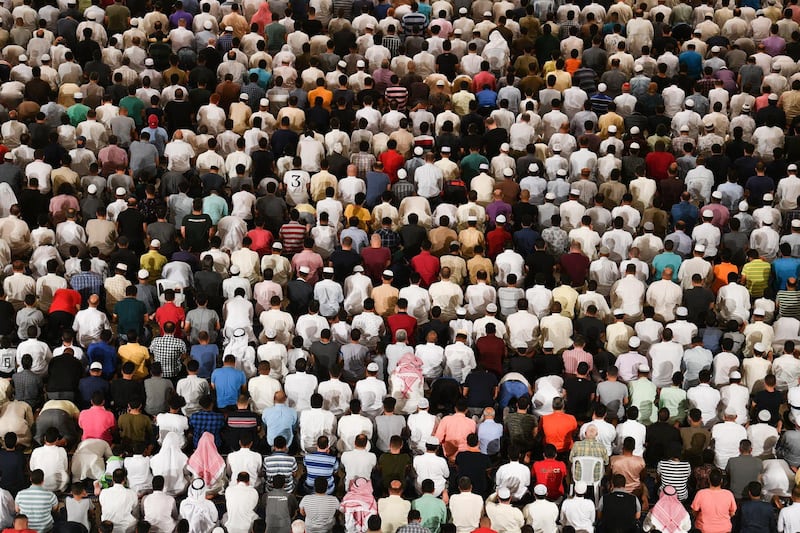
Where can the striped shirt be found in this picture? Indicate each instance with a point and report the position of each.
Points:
(675, 473)
(292, 235)
(320, 465)
(280, 463)
(788, 303)
(757, 274)
(414, 21)
(398, 93)
(320, 512)
(37, 504)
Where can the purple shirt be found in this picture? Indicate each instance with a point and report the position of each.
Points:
(498, 207)
(175, 17)
(728, 78)
(774, 45)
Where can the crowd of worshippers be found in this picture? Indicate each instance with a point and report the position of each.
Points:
(335, 266)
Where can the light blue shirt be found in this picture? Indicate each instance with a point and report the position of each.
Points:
(215, 207)
(280, 419)
(489, 435)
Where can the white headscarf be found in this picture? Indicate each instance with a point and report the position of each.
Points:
(7, 199)
(200, 512)
(170, 463)
(244, 353)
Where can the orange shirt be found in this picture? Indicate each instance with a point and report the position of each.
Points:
(558, 428)
(322, 92)
(571, 65)
(721, 272)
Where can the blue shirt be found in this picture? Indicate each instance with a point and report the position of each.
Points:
(487, 98)
(320, 465)
(377, 184)
(785, 268)
(664, 260)
(525, 239)
(686, 212)
(206, 355)
(105, 354)
(227, 382)
(693, 62)
(280, 419)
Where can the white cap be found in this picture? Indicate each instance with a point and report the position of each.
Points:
(618, 312)
(715, 49)
(730, 411)
(643, 368)
(418, 150)
(440, 83)
(277, 246)
(505, 147)
(134, 22)
(550, 196)
(791, 167)
(533, 167)
(503, 493)
(767, 220)
(369, 26)
(487, 13)
(305, 270)
(207, 25)
(574, 192)
(270, 333)
(22, 58)
(508, 172)
(228, 28)
(422, 403)
(358, 268)
(327, 270)
(457, 31)
(635, 146)
(684, 128)
(10, 157)
(445, 149)
(235, 270)
(682, 311)
(701, 248)
(500, 219)
(768, 197)
(491, 308)
(388, 273)
(482, 166)
(638, 68)
(97, 365)
(649, 226)
(473, 218)
(689, 104)
(143, 274)
(45, 58)
(540, 490)
(78, 96)
(372, 367)
(461, 311)
(360, 63)
(462, 11)
(743, 206)
(244, 97)
(155, 243)
(796, 223)
(239, 332)
(708, 213)
(602, 88)
(432, 441)
(341, 64)
(91, 189)
(773, 97)
(556, 147)
(709, 126)
(548, 345)
(402, 174)
(717, 195)
(612, 129)
(759, 347)
(580, 487)
(561, 172)
(759, 312)
(745, 107)
(634, 342)
(764, 415)
(263, 102)
(121, 191)
(122, 266)
(736, 375)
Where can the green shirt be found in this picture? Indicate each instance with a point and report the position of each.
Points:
(470, 166)
(276, 36)
(756, 273)
(117, 18)
(433, 511)
(130, 315)
(77, 113)
(393, 466)
(674, 399)
(643, 394)
(134, 107)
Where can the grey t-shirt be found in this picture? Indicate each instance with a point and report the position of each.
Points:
(143, 156)
(157, 391)
(320, 511)
(611, 394)
(78, 511)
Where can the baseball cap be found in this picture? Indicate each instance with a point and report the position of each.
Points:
(152, 121)
(97, 365)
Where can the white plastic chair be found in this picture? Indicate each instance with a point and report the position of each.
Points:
(586, 473)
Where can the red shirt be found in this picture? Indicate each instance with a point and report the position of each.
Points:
(491, 350)
(495, 240)
(551, 473)
(169, 312)
(577, 266)
(483, 78)
(392, 162)
(262, 240)
(427, 266)
(375, 262)
(65, 300)
(657, 164)
(403, 321)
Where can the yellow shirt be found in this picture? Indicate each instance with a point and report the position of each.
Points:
(136, 354)
(153, 262)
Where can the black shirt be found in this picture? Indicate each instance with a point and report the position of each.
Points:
(64, 373)
(697, 301)
(548, 365)
(481, 385)
(659, 439)
(343, 263)
(579, 393)
(325, 355)
(12, 471)
(447, 65)
(771, 401)
(474, 465)
(197, 227)
(131, 224)
(123, 391)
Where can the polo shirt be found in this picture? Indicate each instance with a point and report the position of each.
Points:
(130, 315)
(65, 300)
(558, 428)
(37, 504)
(97, 422)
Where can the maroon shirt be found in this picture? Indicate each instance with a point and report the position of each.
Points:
(491, 351)
(375, 262)
(576, 265)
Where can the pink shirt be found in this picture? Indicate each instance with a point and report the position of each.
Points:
(572, 358)
(97, 423)
(452, 433)
(715, 508)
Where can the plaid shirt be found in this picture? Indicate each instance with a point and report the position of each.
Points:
(255, 94)
(590, 448)
(414, 527)
(402, 189)
(168, 350)
(389, 239)
(87, 280)
(207, 421)
(364, 162)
